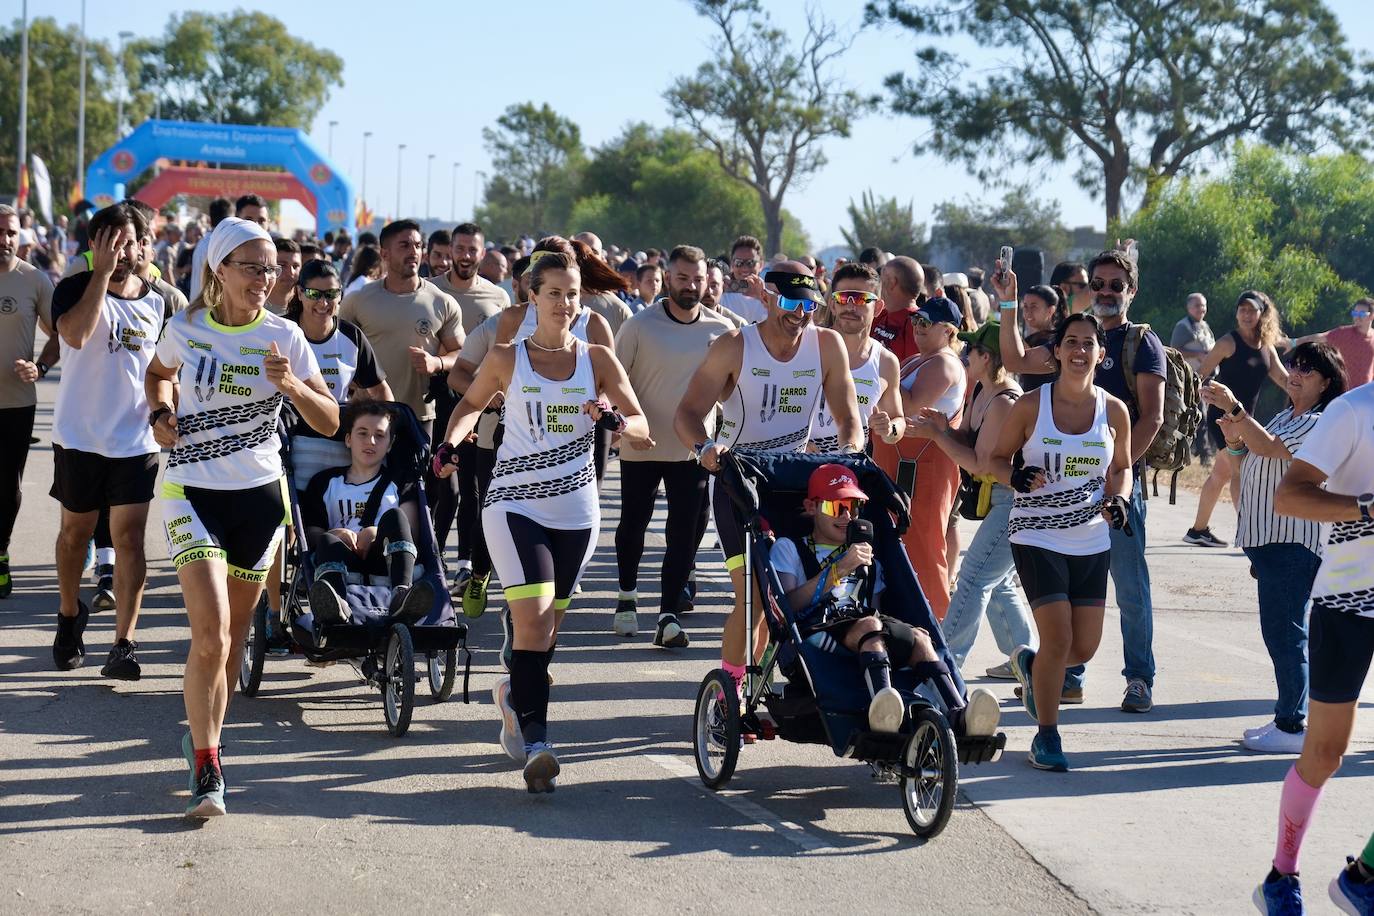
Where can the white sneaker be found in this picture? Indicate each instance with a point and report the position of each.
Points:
(1001, 672)
(511, 741)
(1276, 741)
(886, 711)
(1260, 730)
(626, 620)
(982, 713)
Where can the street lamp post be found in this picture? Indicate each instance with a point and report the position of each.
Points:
(123, 86)
(332, 125)
(477, 177)
(81, 111)
(429, 169)
(23, 109)
(400, 148)
(453, 204)
(366, 134)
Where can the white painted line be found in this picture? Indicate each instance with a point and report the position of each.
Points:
(789, 831)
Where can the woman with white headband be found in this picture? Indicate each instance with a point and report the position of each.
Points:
(223, 494)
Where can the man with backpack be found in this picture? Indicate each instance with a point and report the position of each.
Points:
(1135, 370)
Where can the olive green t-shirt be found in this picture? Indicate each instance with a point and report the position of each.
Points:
(25, 297)
(478, 303)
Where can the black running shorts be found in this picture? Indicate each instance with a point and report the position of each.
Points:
(87, 482)
(1048, 576)
(240, 527)
(1340, 646)
(533, 561)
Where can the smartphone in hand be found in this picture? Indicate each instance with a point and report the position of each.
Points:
(1005, 257)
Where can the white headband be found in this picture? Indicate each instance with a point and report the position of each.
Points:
(228, 235)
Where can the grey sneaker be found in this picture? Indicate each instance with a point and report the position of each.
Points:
(1137, 697)
(511, 742)
(541, 768)
(1001, 672)
(626, 619)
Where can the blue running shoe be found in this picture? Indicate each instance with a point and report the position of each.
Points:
(1047, 753)
(1022, 658)
(207, 798)
(1349, 895)
(1279, 895)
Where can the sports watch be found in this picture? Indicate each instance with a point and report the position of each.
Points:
(158, 415)
(43, 369)
(1365, 501)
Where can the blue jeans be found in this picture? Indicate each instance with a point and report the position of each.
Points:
(1286, 573)
(986, 583)
(1131, 577)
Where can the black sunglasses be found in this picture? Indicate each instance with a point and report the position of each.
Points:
(328, 294)
(1117, 285)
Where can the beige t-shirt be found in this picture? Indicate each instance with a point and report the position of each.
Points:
(478, 303)
(475, 349)
(660, 355)
(610, 307)
(395, 322)
(25, 296)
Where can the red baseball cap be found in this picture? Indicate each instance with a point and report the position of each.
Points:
(834, 481)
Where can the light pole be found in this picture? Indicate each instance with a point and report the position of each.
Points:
(429, 169)
(81, 112)
(123, 85)
(400, 148)
(453, 204)
(332, 125)
(19, 196)
(366, 134)
(477, 177)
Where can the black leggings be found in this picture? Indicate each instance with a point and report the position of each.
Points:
(17, 422)
(685, 485)
(392, 554)
(442, 493)
(474, 477)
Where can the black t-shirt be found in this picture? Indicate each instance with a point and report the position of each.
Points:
(1149, 359)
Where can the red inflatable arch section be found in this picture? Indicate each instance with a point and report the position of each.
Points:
(230, 183)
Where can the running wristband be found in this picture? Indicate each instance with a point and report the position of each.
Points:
(1007, 305)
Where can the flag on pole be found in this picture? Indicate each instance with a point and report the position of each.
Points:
(42, 188)
(364, 216)
(75, 197)
(22, 198)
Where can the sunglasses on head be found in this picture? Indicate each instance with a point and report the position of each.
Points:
(1116, 285)
(316, 294)
(852, 297)
(787, 304)
(834, 507)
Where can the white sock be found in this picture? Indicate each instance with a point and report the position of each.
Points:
(463, 564)
(632, 595)
(104, 556)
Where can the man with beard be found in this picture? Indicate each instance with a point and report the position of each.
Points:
(104, 455)
(715, 288)
(478, 299)
(768, 379)
(438, 254)
(1114, 281)
(661, 347)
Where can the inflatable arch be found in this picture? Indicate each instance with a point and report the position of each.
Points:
(234, 144)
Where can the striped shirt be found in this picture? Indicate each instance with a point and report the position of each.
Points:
(1258, 524)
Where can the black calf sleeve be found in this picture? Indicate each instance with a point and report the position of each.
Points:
(394, 536)
(938, 674)
(529, 692)
(331, 561)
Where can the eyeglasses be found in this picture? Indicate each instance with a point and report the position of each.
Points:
(834, 507)
(1117, 285)
(258, 271)
(316, 294)
(745, 262)
(852, 297)
(807, 306)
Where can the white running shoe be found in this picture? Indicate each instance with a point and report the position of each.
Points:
(626, 619)
(511, 741)
(886, 711)
(982, 713)
(1276, 741)
(1262, 729)
(541, 768)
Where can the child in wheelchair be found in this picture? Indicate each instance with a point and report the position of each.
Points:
(836, 589)
(359, 520)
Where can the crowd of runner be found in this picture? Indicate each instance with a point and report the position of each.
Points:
(531, 366)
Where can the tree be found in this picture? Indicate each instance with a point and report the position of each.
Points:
(54, 62)
(886, 224)
(973, 231)
(536, 156)
(1134, 91)
(764, 107)
(1277, 222)
(237, 68)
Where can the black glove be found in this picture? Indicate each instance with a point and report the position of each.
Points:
(446, 453)
(611, 420)
(1023, 477)
(1115, 509)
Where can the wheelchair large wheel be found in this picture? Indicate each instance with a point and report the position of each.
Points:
(254, 650)
(716, 729)
(930, 773)
(443, 670)
(398, 689)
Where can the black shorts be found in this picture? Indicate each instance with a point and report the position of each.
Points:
(533, 561)
(727, 526)
(1048, 576)
(240, 527)
(87, 482)
(898, 636)
(1340, 646)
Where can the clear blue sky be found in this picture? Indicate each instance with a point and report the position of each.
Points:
(431, 75)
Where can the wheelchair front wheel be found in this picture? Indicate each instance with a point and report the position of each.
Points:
(443, 670)
(716, 729)
(254, 650)
(398, 688)
(930, 773)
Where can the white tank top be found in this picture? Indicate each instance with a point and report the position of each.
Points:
(544, 464)
(578, 328)
(774, 403)
(1065, 515)
(824, 436)
(952, 401)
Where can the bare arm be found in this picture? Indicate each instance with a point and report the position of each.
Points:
(1254, 437)
(493, 377)
(599, 331)
(380, 392)
(890, 400)
(1223, 349)
(931, 382)
(1278, 373)
(1118, 481)
(613, 383)
(159, 388)
(1014, 433)
(1300, 495)
(839, 390)
(711, 383)
(1149, 398)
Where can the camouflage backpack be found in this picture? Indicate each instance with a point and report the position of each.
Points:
(1172, 448)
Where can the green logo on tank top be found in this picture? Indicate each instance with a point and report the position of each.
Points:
(1088, 444)
(1048, 441)
(803, 373)
(254, 351)
(574, 390)
(197, 345)
(530, 389)
(764, 373)
(864, 381)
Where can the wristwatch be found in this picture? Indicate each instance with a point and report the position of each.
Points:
(701, 447)
(42, 369)
(1235, 412)
(158, 415)
(1365, 501)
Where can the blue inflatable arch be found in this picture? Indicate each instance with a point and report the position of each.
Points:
(228, 144)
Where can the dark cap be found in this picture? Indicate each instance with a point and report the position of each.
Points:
(941, 309)
(794, 280)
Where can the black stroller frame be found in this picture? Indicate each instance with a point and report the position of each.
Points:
(382, 652)
(823, 700)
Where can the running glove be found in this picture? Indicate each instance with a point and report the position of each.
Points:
(1115, 509)
(446, 453)
(611, 419)
(1023, 477)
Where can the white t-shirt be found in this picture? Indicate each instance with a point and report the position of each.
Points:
(227, 411)
(747, 307)
(198, 255)
(1342, 447)
(332, 502)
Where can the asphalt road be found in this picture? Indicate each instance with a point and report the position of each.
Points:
(1162, 813)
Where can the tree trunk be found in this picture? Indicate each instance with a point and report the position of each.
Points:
(1114, 179)
(772, 224)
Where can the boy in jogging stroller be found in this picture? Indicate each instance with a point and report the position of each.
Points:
(867, 668)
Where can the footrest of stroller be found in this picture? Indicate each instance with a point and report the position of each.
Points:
(880, 747)
(980, 748)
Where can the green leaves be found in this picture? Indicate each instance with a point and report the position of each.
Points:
(884, 223)
(537, 156)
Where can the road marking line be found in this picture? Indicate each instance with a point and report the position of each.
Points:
(789, 831)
